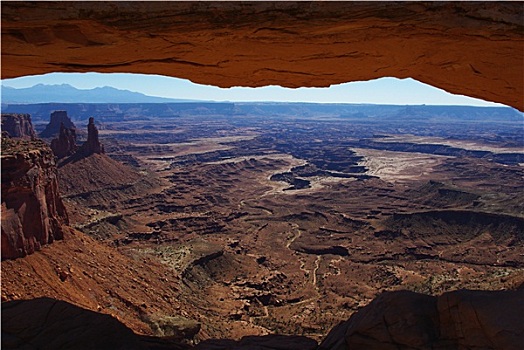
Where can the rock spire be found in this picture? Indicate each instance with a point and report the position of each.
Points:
(92, 145)
(65, 144)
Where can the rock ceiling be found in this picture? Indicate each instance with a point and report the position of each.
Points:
(474, 49)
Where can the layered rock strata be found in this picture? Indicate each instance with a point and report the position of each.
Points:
(466, 48)
(18, 125)
(32, 211)
(65, 144)
(55, 124)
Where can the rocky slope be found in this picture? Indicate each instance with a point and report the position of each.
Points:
(18, 125)
(96, 277)
(94, 187)
(85, 176)
(33, 214)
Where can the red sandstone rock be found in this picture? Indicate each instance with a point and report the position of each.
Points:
(464, 319)
(92, 145)
(55, 124)
(32, 210)
(18, 125)
(65, 144)
(467, 48)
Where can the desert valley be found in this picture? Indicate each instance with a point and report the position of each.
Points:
(156, 218)
(203, 223)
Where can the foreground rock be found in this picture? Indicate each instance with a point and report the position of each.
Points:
(55, 124)
(18, 125)
(47, 323)
(173, 327)
(463, 319)
(32, 211)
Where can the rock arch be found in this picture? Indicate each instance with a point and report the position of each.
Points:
(474, 49)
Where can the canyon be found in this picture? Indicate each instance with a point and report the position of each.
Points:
(225, 231)
(233, 226)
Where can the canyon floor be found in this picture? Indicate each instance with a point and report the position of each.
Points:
(259, 225)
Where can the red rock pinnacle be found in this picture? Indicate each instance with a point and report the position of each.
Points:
(65, 144)
(92, 145)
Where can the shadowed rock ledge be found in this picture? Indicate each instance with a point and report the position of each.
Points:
(463, 319)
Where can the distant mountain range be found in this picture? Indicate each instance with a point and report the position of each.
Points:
(65, 93)
(107, 103)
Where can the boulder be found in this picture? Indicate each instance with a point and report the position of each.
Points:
(174, 327)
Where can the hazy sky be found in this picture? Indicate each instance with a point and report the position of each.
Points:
(379, 91)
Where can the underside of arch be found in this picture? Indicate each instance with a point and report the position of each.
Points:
(469, 48)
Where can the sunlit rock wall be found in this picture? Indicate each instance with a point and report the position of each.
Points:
(33, 214)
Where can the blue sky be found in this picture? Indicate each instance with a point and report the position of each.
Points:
(379, 91)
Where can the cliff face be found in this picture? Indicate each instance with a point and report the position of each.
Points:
(18, 125)
(468, 48)
(32, 211)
